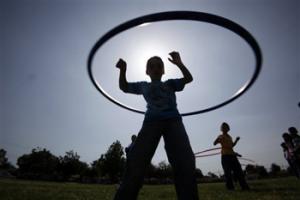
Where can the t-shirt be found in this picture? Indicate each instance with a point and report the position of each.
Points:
(226, 144)
(160, 97)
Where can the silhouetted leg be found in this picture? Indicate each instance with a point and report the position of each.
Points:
(297, 167)
(182, 160)
(238, 172)
(226, 164)
(139, 158)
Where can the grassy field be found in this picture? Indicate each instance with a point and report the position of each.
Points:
(273, 189)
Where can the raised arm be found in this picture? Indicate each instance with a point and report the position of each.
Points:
(123, 84)
(236, 140)
(217, 141)
(176, 60)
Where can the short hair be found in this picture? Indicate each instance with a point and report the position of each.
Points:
(225, 125)
(154, 60)
(133, 137)
(293, 130)
(286, 136)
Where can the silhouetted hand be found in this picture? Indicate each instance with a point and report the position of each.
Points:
(238, 155)
(176, 60)
(236, 140)
(121, 64)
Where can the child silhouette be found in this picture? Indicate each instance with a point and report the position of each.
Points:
(230, 163)
(127, 149)
(161, 119)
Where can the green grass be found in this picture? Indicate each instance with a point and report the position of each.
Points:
(273, 189)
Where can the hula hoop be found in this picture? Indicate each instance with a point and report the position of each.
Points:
(206, 155)
(217, 153)
(248, 160)
(180, 15)
(207, 150)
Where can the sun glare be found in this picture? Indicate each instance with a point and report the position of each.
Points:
(138, 59)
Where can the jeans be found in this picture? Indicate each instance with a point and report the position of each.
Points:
(295, 166)
(232, 166)
(180, 156)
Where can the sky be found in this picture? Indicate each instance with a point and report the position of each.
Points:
(48, 101)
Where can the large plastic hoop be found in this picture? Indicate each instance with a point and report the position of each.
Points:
(207, 150)
(180, 15)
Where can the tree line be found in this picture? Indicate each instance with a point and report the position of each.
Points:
(41, 164)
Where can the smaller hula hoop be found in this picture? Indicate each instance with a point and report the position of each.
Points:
(207, 150)
(200, 154)
(179, 15)
(248, 160)
(206, 155)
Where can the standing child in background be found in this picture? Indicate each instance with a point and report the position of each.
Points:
(295, 140)
(127, 149)
(230, 163)
(290, 154)
(161, 119)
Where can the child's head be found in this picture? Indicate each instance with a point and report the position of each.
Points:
(286, 137)
(225, 127)
(155, 68)
(293, 131)
(133, 138)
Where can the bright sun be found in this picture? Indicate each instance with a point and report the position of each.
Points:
(141, 53)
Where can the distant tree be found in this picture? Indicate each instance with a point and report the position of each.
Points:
(212, 175)
(39, 164)
(3, 159)
(98, 165)
(250, 169)
(199, 173)
(262, 172)
(5, 166)
(259, 171)
(164, 170)
(70, 164)
(275, 169)
(112, 163)
(151, 171)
